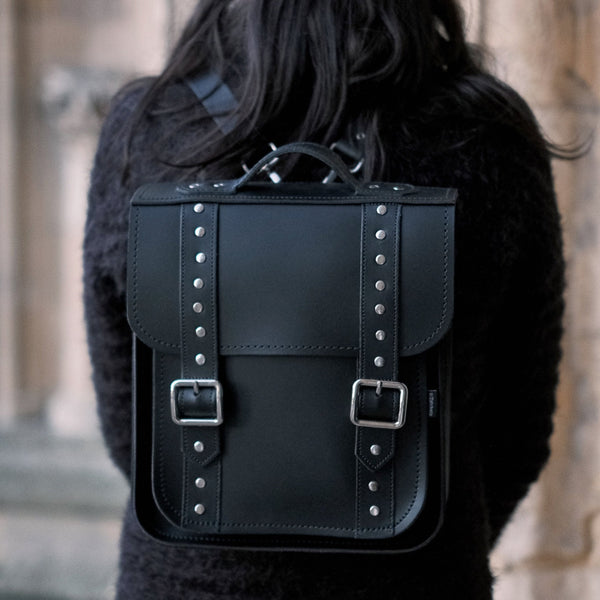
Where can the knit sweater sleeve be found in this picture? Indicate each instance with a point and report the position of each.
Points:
(524, 349)
(104, 254)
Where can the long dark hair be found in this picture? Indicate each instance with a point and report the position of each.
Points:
(310, 69)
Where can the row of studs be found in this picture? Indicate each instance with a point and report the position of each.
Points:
(373, 485)
(199, 482)
(380, 286)
(380, 335)
(200, 332)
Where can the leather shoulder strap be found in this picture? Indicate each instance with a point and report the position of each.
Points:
(216, 97)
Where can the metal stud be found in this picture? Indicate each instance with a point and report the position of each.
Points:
(380, 259)
(379, 361)
(374, 511)
(199, 232)
(193, 186)
(198, 283)
(200, 332)
(375, 449)
(381, 209)
(200, 257)
(373, 486)
(373, 186)
(379, 309)
(200, 359)
(198, 307)
(201, 483)
(200, 510)
(380, 285)
(381, 234)
(218, 185)
(198, 446)
(380, 335)
(198, 208)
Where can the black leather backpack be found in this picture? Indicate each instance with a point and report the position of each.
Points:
(292, 361)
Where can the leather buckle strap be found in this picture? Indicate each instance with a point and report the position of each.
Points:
(197, 399)
(378, 411)
(377, 398)
(202, 399)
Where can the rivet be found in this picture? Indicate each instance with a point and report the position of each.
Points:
(198, 307)
(375, 449)
(380, 335)
(379, 309)
(200, 359)
(200, 257)
(374, 511)
(198, 283)
(200, 331)
(218, 185)
(201, 483)
(380, 285)
(381, 209)
(380, 259)
(198, 447)
(397, 189)
(193, 186)
(199, 232)
(381, 234)
(200, 510)
(373, 186)
(373, 486)
(198, 208)
(379, 361)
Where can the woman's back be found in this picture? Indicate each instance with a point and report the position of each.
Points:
(462, 130)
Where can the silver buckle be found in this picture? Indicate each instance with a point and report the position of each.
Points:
(379, 385)
(197, 383)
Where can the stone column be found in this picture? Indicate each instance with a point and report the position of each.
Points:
(549, 52)
(8, 149)
(71, 98)
(65, 54)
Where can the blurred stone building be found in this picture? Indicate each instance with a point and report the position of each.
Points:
(60, 499)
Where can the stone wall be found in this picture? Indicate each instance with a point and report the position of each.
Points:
(59, 62)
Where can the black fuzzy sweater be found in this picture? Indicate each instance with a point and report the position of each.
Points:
(508, 309)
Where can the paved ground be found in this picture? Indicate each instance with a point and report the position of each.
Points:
(60, 507)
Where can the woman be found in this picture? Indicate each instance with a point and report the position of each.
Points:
(402, 74)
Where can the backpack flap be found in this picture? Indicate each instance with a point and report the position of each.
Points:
(282, 383)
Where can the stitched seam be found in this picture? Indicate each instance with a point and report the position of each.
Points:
(359, 439)
(213, 290)
(394, 198)
(214, 320)
(185, 494)
(135, 285)
(280, 525)
(183, 306)
(285, 347)
(161, 436)
(397, 251)
(357, 503)
(445, 288)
